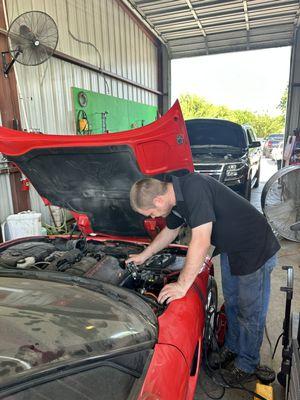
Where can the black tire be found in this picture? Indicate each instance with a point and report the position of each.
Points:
(257, 177)
(281, 377)
(211, 309)
(246, 190)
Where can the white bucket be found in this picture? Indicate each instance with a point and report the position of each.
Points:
(26, 223)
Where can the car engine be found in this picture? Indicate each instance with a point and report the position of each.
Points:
(104, 261)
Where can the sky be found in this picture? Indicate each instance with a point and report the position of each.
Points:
(253, 80)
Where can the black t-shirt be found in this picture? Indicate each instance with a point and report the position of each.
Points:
(239, 229)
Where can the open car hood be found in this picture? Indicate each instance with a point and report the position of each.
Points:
(92, 175)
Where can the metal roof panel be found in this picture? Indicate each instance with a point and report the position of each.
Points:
(195, 27)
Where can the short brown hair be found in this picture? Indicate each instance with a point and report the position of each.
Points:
(144, 191)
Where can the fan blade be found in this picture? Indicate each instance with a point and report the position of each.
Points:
(35, 34)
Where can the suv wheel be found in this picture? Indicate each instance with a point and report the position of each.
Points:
(246, 189)
(257, 176)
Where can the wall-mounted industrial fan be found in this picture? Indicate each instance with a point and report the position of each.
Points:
(33, 37)
(280, 202)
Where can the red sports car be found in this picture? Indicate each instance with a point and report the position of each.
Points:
(76, 321)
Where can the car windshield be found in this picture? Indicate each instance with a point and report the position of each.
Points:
(45, 323)
(218, 134)
(276, 137)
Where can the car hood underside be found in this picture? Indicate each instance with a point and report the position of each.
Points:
(92, 175)
(94, 182)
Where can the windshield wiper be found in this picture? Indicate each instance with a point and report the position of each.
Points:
(60, 372)
(211, 146)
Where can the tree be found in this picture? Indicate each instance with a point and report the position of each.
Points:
(194, 106)
(264, 124)
(283, 101)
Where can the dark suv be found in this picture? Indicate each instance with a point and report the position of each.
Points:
(227, 151)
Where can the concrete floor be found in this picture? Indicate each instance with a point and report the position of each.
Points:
(289, 254)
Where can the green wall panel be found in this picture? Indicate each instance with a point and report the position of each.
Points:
(121, 114)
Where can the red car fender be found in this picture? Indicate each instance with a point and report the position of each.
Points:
(181, 328)
(167, 376)
(181, 325)
(193, 379)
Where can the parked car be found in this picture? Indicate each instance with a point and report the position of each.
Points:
(227, 151)
(272, 141)
(77, 321)
(277, 151)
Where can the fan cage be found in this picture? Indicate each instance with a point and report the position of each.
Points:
(33, 38)
(280, 201)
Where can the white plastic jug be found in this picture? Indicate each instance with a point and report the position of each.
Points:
(26, 223)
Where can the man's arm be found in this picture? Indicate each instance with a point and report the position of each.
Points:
(197, 251)
(162, 240)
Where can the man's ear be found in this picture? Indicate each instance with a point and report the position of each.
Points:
(157, 201)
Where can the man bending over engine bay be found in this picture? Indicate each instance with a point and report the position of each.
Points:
(245, 241)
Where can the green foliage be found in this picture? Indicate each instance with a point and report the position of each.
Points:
(283, 102)
(194, 106)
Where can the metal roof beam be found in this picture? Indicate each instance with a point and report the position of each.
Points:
(254, 36)
(246, 14)
(229, 25)
(221, 50)
(231, 42)
(195, 15)
(254, 32)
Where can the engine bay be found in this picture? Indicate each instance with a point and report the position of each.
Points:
(104, 261)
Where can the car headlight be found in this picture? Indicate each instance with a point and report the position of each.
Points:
(234, 170)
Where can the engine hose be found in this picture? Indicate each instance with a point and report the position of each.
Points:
(150, 295)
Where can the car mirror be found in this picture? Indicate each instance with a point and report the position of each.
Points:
(255, 144)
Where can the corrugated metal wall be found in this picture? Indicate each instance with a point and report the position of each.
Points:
(118, 45)
(38, 205)
(6, 205)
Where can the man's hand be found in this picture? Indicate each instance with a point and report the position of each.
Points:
(136, 258)
(171, 292)
(162, 240)
(199, 245)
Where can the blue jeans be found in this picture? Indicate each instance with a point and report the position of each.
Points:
(246, 305)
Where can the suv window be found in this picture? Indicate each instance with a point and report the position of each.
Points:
(250, 140)
(250, 134)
